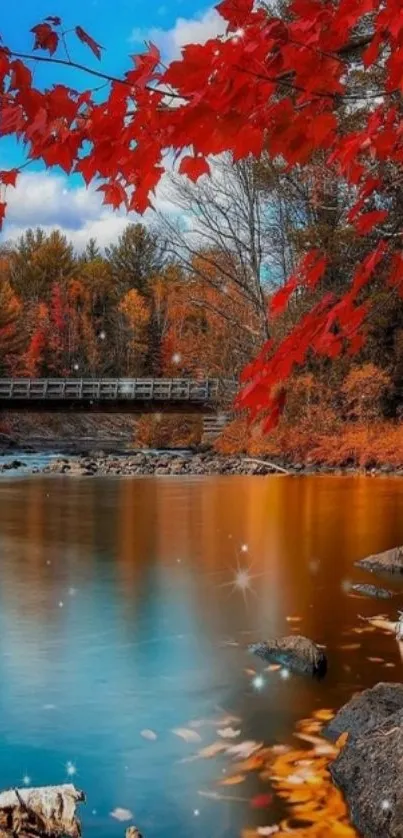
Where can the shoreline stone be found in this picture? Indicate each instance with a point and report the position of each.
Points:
(372, 591)
(390, 561)
(368, 768)
(297, 653)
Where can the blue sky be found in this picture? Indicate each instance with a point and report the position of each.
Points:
(51, 199)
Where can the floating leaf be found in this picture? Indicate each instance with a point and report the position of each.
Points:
(235, 780)
(187, 734)
(229, 733)
(244, 749)
(342, 740)
(260, 801)
(149, 734)
(121, 814)
(324, 715)
(212, 750)
(274, 667)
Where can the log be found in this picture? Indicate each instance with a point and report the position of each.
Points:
(266, 463)
(47, 812)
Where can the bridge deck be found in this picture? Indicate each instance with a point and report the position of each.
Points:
(115, 394)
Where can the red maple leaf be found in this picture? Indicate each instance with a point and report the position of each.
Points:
(45, 37)
(366, 223)
(9, 178)
(194, 167)
(21, 75)
(114, 194)
(3, 207)
(86, 39)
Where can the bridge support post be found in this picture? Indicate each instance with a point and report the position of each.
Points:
(213, 426)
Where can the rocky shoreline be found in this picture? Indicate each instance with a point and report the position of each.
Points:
(118, 463)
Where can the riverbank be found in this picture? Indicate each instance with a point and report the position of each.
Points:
(160, 463)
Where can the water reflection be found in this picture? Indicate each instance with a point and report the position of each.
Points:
(117, 616)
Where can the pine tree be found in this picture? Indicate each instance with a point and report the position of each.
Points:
(38, 262)
(135, 259)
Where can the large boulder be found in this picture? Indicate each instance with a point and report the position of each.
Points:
(366, 710)
(368, 769)
(297, 653)
(391, 561)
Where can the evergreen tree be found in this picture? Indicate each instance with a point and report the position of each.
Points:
(135, 259)
(38, 262)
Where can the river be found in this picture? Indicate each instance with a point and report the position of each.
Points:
(123, 634)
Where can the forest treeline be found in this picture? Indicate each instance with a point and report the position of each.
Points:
(189, 297)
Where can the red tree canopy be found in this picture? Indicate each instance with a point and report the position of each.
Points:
(273, 84)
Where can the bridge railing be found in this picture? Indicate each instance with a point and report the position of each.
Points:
(115, 389)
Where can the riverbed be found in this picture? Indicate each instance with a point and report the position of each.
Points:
(126, 606)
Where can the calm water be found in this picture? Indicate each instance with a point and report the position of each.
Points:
(118, 616)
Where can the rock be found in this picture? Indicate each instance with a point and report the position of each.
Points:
(12, 465)
(368, 770)
(365, 711)
(391, 561)
(372, 590)
(132, 832)
(297, 653)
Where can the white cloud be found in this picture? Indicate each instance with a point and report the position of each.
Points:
(51, 201)
(196, 30)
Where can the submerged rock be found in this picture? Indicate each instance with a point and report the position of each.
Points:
(368, 770)
(297, 653)
(391, 561)
(372, 590)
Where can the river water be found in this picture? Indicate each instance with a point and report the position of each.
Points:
(123, 636)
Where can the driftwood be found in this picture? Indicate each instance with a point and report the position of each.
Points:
(47, 812)
(266, 463)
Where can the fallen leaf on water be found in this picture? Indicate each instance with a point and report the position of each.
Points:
(380, 621)
(307, 737)
(341, 741)
(324, 715)
(280, 749)
(260, 801)
(149, 734)
(211, 795)
(235, 780)
(295, 779)
(212, 750)
(349, 647)
(375, 660)
(274, 667)
(245, 749)
(250, 671)
(121, 814)
(187, 734)
(228, 733)
(251, 764)
(325, 750)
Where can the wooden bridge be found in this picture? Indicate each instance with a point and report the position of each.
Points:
(117, 395)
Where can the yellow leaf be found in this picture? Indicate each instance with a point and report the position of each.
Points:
(235, 780)
(342, 740)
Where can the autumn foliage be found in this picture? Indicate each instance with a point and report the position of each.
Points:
(319, 85)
